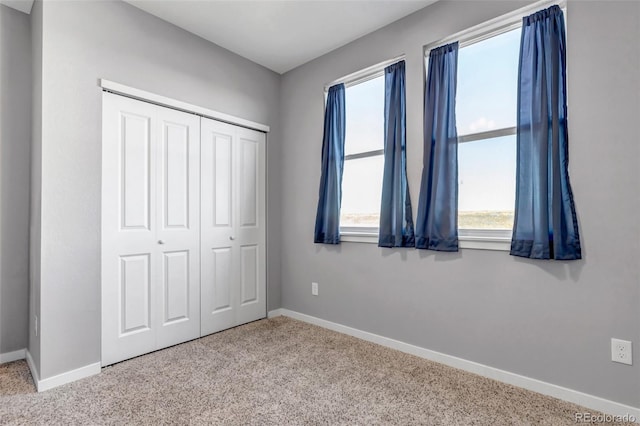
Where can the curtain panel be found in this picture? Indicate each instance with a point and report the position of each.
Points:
(437, 222)
(396, 221)
(545, 225)
(327, 229)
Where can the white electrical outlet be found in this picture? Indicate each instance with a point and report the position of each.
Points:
(314, 289)
(621, 351)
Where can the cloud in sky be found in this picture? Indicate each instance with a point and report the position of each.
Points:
(482, 125)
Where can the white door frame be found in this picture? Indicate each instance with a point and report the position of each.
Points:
(152, 98)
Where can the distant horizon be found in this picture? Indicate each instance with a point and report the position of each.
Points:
(487, 219)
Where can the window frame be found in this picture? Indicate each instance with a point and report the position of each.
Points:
(499, 239)
(362, 234)
(488, 239)
(482, 239)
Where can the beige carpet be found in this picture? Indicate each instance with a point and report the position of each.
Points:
(277, 372)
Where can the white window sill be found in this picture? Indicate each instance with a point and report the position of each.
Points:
(464, 241)
(358, 237)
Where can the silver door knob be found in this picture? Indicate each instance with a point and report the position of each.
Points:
(160, 241)
(232, 238)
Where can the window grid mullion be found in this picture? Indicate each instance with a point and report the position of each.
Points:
(366, 154)
(472, 137)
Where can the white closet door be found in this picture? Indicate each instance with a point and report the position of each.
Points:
(233, 262)
(128, 228)
(178, 227)
(250, 235)
(150, 221)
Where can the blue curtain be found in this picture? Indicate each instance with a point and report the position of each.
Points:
(327, 229)
(545, 225)
(437, 224)
(396, 221)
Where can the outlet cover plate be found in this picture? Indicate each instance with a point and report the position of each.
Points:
(621, 351)
(314, 289)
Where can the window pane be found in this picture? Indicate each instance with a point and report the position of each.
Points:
(487, 183)
(364, 113)
(487, 84)
(362, 191)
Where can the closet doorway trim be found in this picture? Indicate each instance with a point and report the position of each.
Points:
(145, 96)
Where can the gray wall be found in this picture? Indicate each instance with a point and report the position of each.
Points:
(547, 320)
(83, 42)
(15, 134)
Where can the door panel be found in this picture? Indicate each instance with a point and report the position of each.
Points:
(249, 273)
(218, 298)
(135, 293)
(150, 228)
(218, 265)
(135, 161)
(176, 287)
(221, 161)
(248, 195)
(217, 180)
(250, 235)
(221, 279)
(178, 236)
(128, 229)
(176, 175)
(233, 228)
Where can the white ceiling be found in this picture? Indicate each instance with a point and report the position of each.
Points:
(21, 5)
(280, 34)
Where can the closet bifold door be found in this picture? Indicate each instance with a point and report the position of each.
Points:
(178, 227)
(150, 228)
(233, 257)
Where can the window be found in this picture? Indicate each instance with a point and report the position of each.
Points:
(486, 112)
(364, 155)
(486, 108)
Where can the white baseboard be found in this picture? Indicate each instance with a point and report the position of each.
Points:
(589, 401)
(275, 313)
(63, 378)
(35, 374)
(12, 356)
